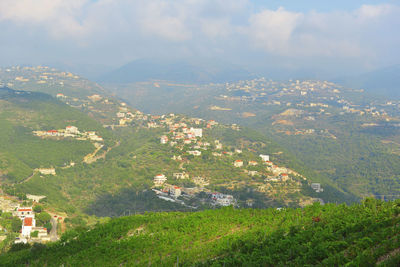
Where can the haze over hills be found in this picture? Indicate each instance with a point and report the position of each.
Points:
(184, 71)
(384, 81)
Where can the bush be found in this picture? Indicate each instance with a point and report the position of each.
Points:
(38, 209)
(35, 234)
(19, 246)
(16, 224)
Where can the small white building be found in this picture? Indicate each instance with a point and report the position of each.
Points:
(284, 177)
(47, 171)
(24, 212)
(198, 132)
(253, 163)
(264, 158)
(317, 187)
(180, 175)
(238, 163)
(120, 115)
(159, 179)
(175, 191)
(195, 152)
(164, 139)
(71, 130)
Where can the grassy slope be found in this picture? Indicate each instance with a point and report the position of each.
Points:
(361, 234)
(21, 152)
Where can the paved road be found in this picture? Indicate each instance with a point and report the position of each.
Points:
(53, 232)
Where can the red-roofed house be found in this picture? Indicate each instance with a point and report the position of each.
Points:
(253, 163)
(27, 225)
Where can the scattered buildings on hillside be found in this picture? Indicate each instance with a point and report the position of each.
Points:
(70, 131)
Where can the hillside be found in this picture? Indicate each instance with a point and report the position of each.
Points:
(21, 152)
(94, 175)
(365, 234)
(347, 136)
(178, 71)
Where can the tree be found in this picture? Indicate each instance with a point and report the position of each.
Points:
(38, 209)
(48, 226)
(42, 218)
(16, 224)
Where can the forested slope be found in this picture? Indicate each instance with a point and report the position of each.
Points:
(365, 234)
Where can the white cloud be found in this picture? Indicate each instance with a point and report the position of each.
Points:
(198, 27)
(366, 12)
(272, 30)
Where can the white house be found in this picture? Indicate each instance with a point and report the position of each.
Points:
(238, 163)
(159, 179)
(164, 139)
(72, 130)
(47, 171)
(253, 163)
(175, 191)
(198, 132)
(120, 115)
(24, 212)
(195, 153)
(264, 157)
(27, 225)
(180, 175)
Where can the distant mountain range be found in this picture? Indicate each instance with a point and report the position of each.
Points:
(384, 81)
(177, 71)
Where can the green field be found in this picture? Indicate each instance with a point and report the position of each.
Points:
(365, 234)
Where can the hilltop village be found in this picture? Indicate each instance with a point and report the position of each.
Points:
(190, 140)
(193, 147)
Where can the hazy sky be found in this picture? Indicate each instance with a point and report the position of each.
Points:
(319, 35)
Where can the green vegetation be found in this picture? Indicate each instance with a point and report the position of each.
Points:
(365, 234)
(21, 151)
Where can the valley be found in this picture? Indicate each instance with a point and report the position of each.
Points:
(244, 144)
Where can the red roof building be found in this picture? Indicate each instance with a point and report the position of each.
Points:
(28, 221)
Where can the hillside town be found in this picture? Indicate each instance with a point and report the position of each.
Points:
(190, 137)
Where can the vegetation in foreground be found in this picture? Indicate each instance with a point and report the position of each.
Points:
(365, 234)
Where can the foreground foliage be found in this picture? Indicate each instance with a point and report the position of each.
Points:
(365, 234)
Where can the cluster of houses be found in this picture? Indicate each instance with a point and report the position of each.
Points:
(70, 131)
(27, 216)
(219, 199)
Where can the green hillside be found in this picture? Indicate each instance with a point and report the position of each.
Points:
(365, 234)
(132, 155)
(346, 136)
(21, 151)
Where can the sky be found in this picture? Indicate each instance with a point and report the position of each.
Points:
(323, 37)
